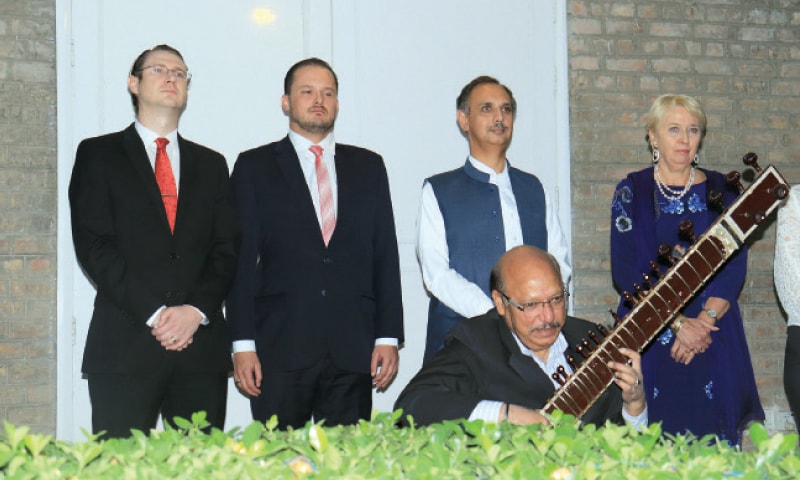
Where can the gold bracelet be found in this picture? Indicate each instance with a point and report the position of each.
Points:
(678, 323)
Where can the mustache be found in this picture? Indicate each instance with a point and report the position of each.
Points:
(545, 325)
(500, 125)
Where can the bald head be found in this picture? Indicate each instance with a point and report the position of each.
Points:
(524, 257)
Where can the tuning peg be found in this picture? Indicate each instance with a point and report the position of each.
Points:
(734, 179)
(614, 316)
(780, 191)
(714, 200)
(602, 329)
(640, 292)
(560, 375)
(648, 282)
(758, 217)
(665, 255)
(751, 160)
(583, 350)
(630, 298)
(655, 269)
(571, 361)
(594, 338)
(686, 230)
(587, 345)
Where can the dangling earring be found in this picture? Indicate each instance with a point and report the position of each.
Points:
(656, 155)
(695, 160)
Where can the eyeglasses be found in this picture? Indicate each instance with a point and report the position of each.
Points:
(162, 71)
(530, 307)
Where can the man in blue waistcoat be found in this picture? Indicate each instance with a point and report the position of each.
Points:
(472, 215)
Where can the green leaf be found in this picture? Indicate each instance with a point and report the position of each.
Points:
(318, 438)
(15, 435)
(36, 443)
(6, 454)
(758, 433)
(182, 423)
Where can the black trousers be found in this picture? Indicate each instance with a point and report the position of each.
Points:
(322, 391)
(123, 402)
(791, 370)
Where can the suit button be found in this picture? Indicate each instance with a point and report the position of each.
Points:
(173, 256)
(168, 294)
(323, 292)
(327, 260)
(494, 213)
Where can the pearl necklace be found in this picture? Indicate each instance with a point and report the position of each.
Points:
(673, 194)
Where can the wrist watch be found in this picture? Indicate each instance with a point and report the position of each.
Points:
(711, 313)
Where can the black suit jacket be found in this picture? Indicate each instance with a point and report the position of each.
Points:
(482, 361)
(123, 242)
(297, 298)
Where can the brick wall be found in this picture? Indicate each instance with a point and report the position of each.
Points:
(742, 60)
(28, 213)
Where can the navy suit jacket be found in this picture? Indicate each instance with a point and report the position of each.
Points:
(123, 242)
(298, 299)
(482, 361)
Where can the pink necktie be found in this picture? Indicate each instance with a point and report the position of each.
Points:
(326, 212)
(166, 181)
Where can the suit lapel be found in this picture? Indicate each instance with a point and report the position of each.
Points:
(523, 365)
(188, 181)
(289, 166)
(348, 182)
(137, 156)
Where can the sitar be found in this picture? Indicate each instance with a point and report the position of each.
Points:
(655, 307)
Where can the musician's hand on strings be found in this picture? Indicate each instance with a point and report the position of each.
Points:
(628, 377)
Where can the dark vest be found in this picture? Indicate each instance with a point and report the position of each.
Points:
(473, 222)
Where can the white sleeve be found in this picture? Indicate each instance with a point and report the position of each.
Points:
(451, 288)
(556, 242)
(787, 256)
(486, 410)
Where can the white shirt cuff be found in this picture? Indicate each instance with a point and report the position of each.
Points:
(486, 410)
(638, 422)
(244, 346)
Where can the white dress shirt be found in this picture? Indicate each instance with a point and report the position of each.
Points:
(787, 256)
(450, 287)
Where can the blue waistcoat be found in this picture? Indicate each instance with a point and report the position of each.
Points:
(473, 222)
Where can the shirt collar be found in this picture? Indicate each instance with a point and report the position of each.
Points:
(494, 177)
(557, 349)
(149, 137)
(301, 143)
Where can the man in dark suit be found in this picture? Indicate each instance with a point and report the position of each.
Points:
(315, 310)
(161, 255)
(498, 366)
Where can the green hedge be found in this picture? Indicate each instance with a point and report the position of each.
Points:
(378, 449)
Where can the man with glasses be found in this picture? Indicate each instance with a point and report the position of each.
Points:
(499, 366)
(471, 215)
(154, 230)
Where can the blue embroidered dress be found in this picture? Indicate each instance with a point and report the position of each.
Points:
(715, 393)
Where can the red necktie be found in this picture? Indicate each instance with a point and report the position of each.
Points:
(326, 212)
(166, 181)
